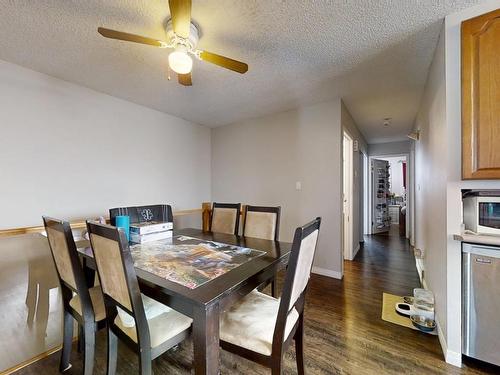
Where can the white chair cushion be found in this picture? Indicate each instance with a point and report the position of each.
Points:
(152, 309)
(162, 327)
(250, 322)
(97, 303)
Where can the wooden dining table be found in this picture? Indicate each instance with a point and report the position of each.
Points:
(205, 303)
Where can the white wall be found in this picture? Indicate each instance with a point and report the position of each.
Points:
(389, 148)
(455, 184)
(430, 182)
(438, 168)
(259, 161)
(71, 152)
(350, 127)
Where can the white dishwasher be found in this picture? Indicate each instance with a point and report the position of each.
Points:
(481, 302)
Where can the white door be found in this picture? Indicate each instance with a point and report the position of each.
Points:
(381, 220)
(348, 197)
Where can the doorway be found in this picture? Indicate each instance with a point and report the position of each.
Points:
(347, 209)
(389, 195)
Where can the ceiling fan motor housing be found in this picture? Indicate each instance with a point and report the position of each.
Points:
(190, 43)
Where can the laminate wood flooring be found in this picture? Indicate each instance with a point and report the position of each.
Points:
(344, 333)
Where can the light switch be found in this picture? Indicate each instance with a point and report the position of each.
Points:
(298, 185)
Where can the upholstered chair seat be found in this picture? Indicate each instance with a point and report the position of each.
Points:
(162, 327)
(97, 303)
(250, 322)
(152, 309)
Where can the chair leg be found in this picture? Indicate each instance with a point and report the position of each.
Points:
(145, 362)
(81, 339)
(88, 354)
(274, 288)
(67, 342)
(112, 352)
(276, 369)
(299, 346)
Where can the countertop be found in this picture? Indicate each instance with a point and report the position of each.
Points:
(478, 238)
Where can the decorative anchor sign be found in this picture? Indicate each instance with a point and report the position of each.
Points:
(147, 214)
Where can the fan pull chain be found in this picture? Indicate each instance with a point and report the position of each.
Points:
(168, 72)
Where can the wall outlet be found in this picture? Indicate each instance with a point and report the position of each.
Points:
(298, 185)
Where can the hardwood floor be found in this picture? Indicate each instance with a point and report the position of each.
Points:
(344, 333)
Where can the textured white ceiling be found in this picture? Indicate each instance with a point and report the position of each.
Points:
(375, 54)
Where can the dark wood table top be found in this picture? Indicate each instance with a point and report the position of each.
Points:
(276, 257)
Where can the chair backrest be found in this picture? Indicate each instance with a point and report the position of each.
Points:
(117, 276)
(225, 218)
(141, 214)
(68, 266)
(297, 277)
(262, 222)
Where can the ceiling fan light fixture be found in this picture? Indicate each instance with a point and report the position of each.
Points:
(179, 61)
(182, 35)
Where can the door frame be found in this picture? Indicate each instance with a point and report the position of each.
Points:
(347, 195)
(409, 187)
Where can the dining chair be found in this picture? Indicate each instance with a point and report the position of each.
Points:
(148, 331)
(263, 222)
(141, 214)
(84, 304)
(259, 327)
(225, 218)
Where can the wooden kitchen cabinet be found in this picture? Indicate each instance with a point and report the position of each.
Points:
(481, 97)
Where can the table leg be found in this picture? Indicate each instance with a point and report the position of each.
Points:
(206, 340)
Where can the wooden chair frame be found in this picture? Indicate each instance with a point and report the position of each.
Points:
(235, 206)
(143, 346)
(166, 211)
(275, 360)
(277, 211)
(86, 321)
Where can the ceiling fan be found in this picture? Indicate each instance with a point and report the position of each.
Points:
(182, 36)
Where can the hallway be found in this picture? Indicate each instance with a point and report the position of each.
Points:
(342, 319)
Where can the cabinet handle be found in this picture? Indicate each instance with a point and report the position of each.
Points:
(483, 261)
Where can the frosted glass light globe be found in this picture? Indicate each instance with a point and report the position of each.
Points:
(180, 62)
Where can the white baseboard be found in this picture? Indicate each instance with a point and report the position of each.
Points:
(326, 272)
(451, 357)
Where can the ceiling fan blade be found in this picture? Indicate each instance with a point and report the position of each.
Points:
(113, 34)
(180, 11)
(225, 62)
(185, 79)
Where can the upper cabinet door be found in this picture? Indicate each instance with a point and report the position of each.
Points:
(481, 97)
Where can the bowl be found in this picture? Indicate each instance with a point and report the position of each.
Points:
(422, 323)
(408, 300)
(404, 309)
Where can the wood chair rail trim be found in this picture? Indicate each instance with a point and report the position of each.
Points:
(78, 224)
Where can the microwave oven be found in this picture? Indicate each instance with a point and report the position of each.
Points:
(482, 213)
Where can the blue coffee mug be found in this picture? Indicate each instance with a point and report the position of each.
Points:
(123, 222)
